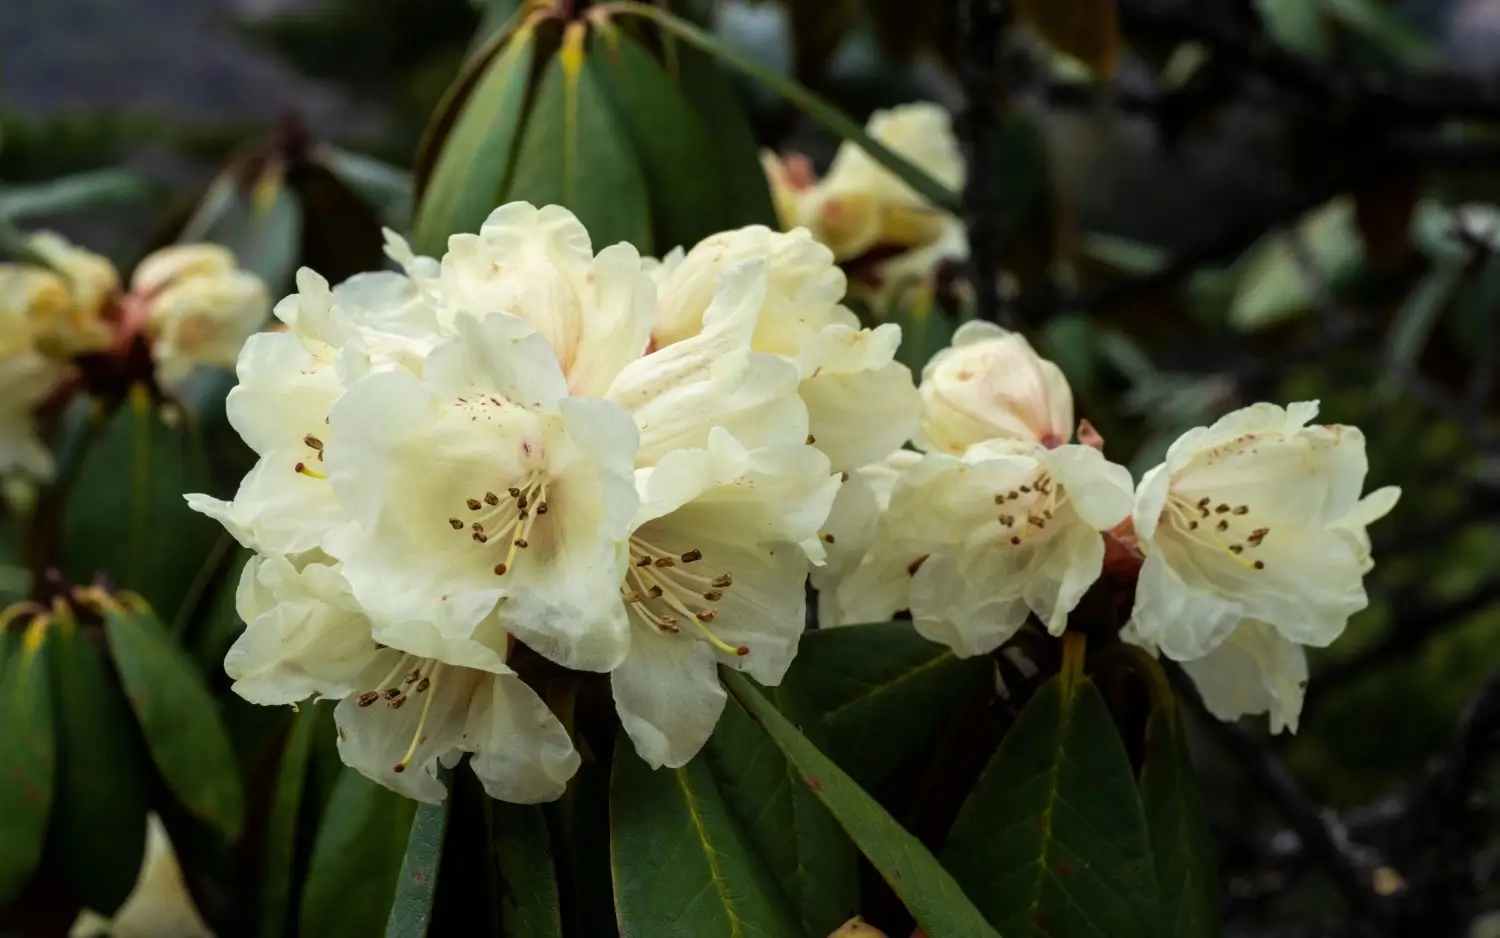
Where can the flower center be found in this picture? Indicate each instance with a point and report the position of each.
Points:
(315, 452)
(1026, 510)
(1232, 529)
(411, 675)
(509, 517)
(662, 590)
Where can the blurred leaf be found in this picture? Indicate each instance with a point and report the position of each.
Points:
(1052, 839)
(351, 878)
(1085, 29)
(260, 222)
(1124, 254)
(99, 825)
(881, 690)
(1414, 321)
(1273, 286)
(925, 329)
(416, 884)
(801, 843)
(672, 143)
(178, 717)
(1384, 29)
(573, 153)
(1069, 341)
(747, 194)
(28, 754)
(218, 624)
(14, 247)
(682, 865)
(92, 190)
(280, 855)
(819, 110)
(340, 232)
(125, 515)
(473, 160)
(523, 852)
(388, 188)
(1299, 25)
(924, 887)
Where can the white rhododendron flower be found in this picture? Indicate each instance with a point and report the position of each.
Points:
(990, 384)
(410, 698)
(860, 400)
(849, 532)
(974, 544)
(1255, 670)
(69, 301)
(1256, 517)
(26, 380)
(199, 307)
(159, 905)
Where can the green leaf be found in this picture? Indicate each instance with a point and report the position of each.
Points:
(82, 191)
(523, 854)
(1273, 285)
(1386, 30)
(28, 758)
(1052, 840)
(881, 690)
(356, 858)
(836, 121)
(177, 714)
(682, 865)
(261, 223)
(1417, 316)
(416, 885)
(99, 825)
(1178, 832)
(388, 188)
(281, 830)
(125, 516)
(747, 194)
(674, 145)
(926, 889)
(574, 153)
(475, 158)
(1300, 25)
(801, 843)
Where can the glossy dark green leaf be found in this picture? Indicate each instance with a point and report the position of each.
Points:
(926, 889)
(475, 158)
(125, 516)
(580, 824)
(177, 714)
(28, 758)
(356, 858)
(99, 826)
(804, 847)
(881, 690)
(286, 808)
(1052, 840)
(575, 153)
(746, 193)
(416, 884)
(216, 623)
(682, 864)
(674, 145)
(523, 854)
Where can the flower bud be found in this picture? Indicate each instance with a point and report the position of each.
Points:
(857, 927)
(990, 384)
(198, 308)
(66, 306)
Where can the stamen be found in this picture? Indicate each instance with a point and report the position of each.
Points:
(500, 569)
(811, 439)
(313, 442)
(366, 699)
(455, 524)
(713, 596)
(827, 538)
(421, 724)
(643, 562)
(473, 503)
(1242, 509)
(691, 556)
(521, 542)
(491, 499)
(724, 581)
(481, 537)
(303, 469)
(423, 684)
(541, 508)
(514, 492)
(665, 562)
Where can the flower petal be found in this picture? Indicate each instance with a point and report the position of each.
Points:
(522, 754)
(668, 696)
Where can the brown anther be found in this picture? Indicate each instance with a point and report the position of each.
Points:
(691, 556)
(522, 504)
(844, 476)
(541, 508)
(713, 596)
(480, 536)
(654, 591)
(1222, 526)
(525, 513)
(397, 704)
(522, 543)
(1242, 509)
(722, 582)
(399, 767)
(826, 538)
(915, 565)
(1236, 548)
(1203, 512)
(1015, 541)
(299, 467)
(643, 562)
(1204, 502)
(1192, 525)
(412, 677)
(1007, 520)
(312, 442)
(391, 693)
(1260, 564)
(500, 569)
(366, 699)
(477, 526)
(811, 439)
(473, 503)
(491, 499)
(999, 499)
(665, 562)
(422, 685)
(668, 624)
(742, 650)
(1221, 509)
(1026, 489)
(514, 492)
(1047, 514)
(455, 524)
(1036, 520)
(705, 615)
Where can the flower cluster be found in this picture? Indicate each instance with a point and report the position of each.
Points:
(526, 447)
(1250, 536)
(891, 239)
(189, 303)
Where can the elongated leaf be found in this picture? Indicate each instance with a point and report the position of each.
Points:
(1052, 840)
(387, 188)
(28, 754)
(475, 158)
(926, 889)
(747, 194)
(125, 516)
(523, 854)
(416, 884)
(1420, 312)
(676, 151)
(356, 858)
(682, 865)
(181, 724)
(91, 190)
(1179, 834)
(801, 843)
(99, 827)
(881, 690)
(819, 110)
(286, 808)
(574, 153)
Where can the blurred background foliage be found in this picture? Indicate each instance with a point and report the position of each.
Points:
(1228, 217)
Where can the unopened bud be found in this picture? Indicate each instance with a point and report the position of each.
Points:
(857, 927)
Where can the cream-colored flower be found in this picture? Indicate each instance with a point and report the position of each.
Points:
(860, 401)
(410, 698)
(158, 907)
(200, 308)
(1254, 671)
(972, 545)
(849, 532)
(26, 379)
(67, 305)
(1256, 517)
(990, 384)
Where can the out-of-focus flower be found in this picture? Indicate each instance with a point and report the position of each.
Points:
(26, 379)
(67, 305)
(974, 544)
(158, 907)
(198, 307)
(990, 384)
(1256, 517)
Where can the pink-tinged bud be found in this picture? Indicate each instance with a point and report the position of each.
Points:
(857, 927)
